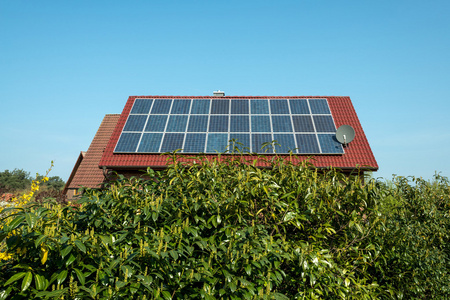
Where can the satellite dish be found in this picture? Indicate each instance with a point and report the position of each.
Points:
(345, 134)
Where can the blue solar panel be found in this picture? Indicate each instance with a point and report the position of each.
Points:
(259, 141)
(242, 141)
(329, 143)
(319, 106)
(259, 107)
(150, 142)
(194, 143)
(198, 124)
(239, 107)
(260, 124)
(239, 124)
(279, 106)
(128, 142)
(299, 106)
(141, 106)
(200, 106)
(303, 124)
(172, 142)
(156, 123)
(281, 124)
(307, 143)
(220, 106)
(286, 143)
(324, 124)
(218, 124)
(161, 106)
(135, 123)
(181, 106)
(177, 123)
(217, 142)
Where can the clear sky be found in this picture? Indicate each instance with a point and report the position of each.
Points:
(65, 64)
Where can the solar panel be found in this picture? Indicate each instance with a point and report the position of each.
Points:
(303, 126)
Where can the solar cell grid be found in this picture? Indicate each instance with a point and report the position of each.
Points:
(128, 142)
(177, 123)
(156, 123)
(198, 123)
(161, 106)
(304, 126)
(135, 123)
(242, 141)
(259, 107)
(150, 142)
(329, 143)
(239, 124)
(299, 106)
(172, 142)
(200, 106)
(220, 106)
(181, 106)
(307, 143)
(281, 124)
(195, 143)
(286, 143)
(217, 142)
(319, 106)
(239, 107)
(142, 106)
(261, 124)
(279, 107)
(218, 124)
(259, 143)
(324, 124)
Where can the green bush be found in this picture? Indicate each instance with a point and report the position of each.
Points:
(230, 230)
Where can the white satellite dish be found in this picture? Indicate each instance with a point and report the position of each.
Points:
(345, 134)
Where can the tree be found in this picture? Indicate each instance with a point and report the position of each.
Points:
(17, 179)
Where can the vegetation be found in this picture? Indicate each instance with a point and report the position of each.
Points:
(20, 180)
(233, 231)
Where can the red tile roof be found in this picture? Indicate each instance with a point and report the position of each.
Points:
(357, 154)
(86, 171)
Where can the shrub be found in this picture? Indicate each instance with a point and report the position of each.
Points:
(221, 230)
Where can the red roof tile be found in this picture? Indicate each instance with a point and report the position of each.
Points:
(357, 154)
(86, 171)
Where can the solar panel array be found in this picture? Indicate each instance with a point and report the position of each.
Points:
(303, 126)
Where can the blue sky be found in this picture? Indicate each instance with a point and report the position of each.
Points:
(65, 64)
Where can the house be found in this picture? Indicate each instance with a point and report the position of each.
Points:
(152, 125)
(86, 172)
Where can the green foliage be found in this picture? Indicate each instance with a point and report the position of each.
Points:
(230, 230)
(415, 238)
(54, 183)
(17, 179)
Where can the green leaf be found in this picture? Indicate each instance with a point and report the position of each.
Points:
(106, 239)
(80, 246)
(166, 295)
(15, 223)
(70, 260)
(27, 281)
(39, 282)
(66, 251)
(61, 276)
(232, 286)
(31, 219)
(40, 240)
(4, 294)
(80, 275)
(15, 277)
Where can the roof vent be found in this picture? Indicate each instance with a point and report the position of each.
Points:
(219, 93)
